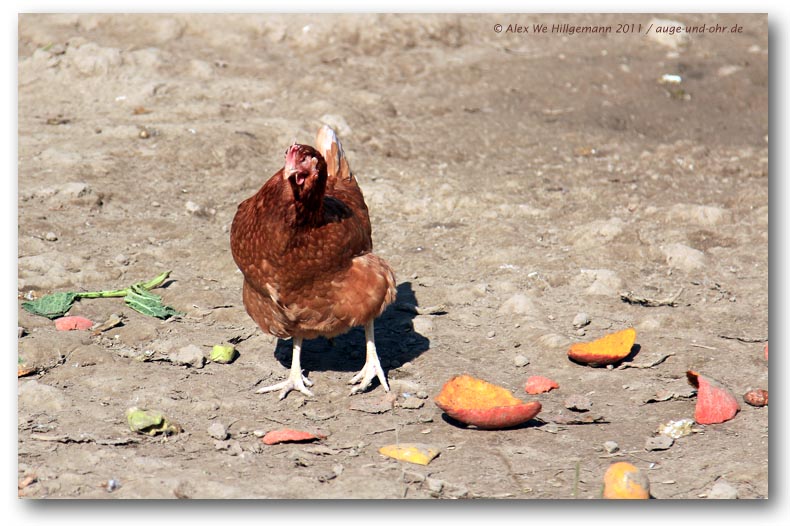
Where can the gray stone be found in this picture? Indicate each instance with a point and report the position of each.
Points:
(434, 485)
(218, 431)
(455, 492)
(191, 356)
(722, 490)
(193, 208)
(581, 320)
(75, 189)
(412, 402)
(611, 446)
(578, 403)
(659, 443)
(520, 360)
(683, 257)
(422, 324)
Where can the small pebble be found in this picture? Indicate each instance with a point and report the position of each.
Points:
(455, 492)
(235, 448)
(122, 259)
(112, 485)
(659, 443)
(20, 331)
(422, 394)
(581, 320)
(412, 403)
(259, 433)
(722, 490)
(191, 355)
(51, 236)
(578, 403)
(490, 334)
(434, 485)
(580, 332)
(218, 431)
(611, 446)
(192, 207)
(520, 360)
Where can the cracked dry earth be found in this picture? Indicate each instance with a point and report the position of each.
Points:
(514, 182)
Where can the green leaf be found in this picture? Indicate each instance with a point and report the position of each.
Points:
(137, 297)
(148, 303)
(52, 306)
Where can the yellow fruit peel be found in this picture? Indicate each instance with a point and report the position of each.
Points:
(415, 453)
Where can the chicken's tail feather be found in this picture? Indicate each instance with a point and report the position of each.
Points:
(329, 145)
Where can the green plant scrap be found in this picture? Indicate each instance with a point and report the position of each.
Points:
(137, 296)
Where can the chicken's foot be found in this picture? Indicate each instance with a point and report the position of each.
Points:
(372, 368)
(296, 380)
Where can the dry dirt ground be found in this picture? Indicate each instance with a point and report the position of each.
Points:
(515, 179)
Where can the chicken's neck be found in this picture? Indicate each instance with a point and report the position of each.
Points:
(308, 212)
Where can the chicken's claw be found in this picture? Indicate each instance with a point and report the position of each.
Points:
(296, 381)
(372, 368)
(366, 376)
(292, 383)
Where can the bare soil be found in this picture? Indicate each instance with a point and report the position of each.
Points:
(516, 180)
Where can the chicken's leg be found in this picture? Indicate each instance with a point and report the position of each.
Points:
(372, 368)
(296, 380)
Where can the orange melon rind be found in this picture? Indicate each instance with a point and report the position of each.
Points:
(482, 404)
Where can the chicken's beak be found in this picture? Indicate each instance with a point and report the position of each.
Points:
(290, 161)
(296, 169)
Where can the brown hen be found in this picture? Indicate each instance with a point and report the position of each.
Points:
(303, 244)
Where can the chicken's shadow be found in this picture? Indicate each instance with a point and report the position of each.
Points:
(396, 341)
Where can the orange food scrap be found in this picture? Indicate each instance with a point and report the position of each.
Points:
(623, 480)
(73, 323)
(765, 351)
(487, 406)
(24, 371)
(540, 384)
(289, 435)
(603, 351)
(715, 403)
(756, 397)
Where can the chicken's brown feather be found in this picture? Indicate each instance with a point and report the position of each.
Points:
(315, 277)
